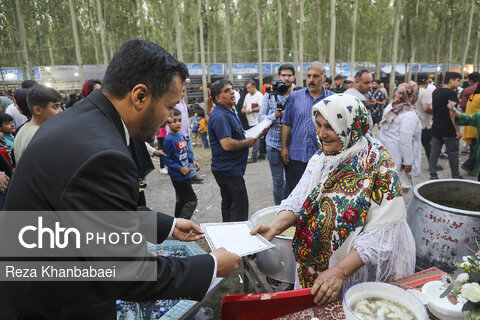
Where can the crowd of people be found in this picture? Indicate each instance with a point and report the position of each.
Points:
(335, 175)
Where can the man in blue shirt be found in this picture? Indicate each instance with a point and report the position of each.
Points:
(272, 110)
(299, 137)
(229, 152)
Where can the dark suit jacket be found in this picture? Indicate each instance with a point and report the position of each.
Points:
(79, 160)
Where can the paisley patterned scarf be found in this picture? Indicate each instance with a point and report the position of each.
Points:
(344, 187)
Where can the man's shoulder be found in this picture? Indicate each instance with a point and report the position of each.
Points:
(258, 94)
(297, 93)
(357, 94)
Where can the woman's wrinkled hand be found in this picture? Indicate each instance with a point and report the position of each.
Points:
(265, 231)
(327, 286)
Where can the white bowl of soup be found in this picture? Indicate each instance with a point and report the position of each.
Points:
(381, 301)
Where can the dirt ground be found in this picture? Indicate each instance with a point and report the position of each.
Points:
(160, 196)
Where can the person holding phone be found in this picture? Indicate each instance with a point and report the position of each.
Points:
(251, 108)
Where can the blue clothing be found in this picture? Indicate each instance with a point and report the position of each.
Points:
(298, 115)
(204, 140)
(221, 124)
(9, 138)
(5, 102)
(267, 111)
(175, 147)
(194, 121)
(280, 186)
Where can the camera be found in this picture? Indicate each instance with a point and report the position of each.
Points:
(278, 87)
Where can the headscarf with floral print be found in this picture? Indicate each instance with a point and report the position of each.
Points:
(403, 100)
(344, 185)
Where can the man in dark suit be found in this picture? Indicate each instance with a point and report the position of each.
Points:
(81, 161)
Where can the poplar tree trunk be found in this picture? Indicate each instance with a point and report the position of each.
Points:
(23, 42)
(437, 61)
(379, 55)
(214, 45)
(293, 9)
(169, 32)
(178, 31)
(229, 40)
(354, 33)
(77, 42)
(265, 49)
(209, 77)
(319, 31)
(202, 51)
(300, 43)
(396, 29)
(280, 31)
(195, 45)
(92, 28)
(469, 31)
(450, 48)
(141, 13)
(332, 38)
(259, 46)
(52, 61)
(413, 48)
(110, 45)
(101, 25)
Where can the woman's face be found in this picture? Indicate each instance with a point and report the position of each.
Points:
(330, 140)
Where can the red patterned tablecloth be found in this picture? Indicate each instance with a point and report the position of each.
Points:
(334, 310)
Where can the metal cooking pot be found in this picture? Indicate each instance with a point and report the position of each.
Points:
(444, 217)
(278, 262)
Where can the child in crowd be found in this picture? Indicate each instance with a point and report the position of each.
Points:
(7, 127)
(203, 128)
(7, 161)
(177, 160)
(194, 122)
(43, 103)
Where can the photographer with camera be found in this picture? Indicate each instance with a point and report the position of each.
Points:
(272, 108)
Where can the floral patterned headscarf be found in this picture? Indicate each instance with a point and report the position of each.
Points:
(343, 187)
(346, 115)
(403, 100)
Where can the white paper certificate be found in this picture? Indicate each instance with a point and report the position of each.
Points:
(235, 237)
(256, 131)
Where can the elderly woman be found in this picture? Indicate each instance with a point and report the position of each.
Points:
(401, 129)
(348, 207)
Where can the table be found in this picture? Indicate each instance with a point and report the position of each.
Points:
(181, 309)
(334, 309)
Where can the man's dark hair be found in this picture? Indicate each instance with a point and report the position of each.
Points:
(377, 81)
(177, 112)
(217, 87)
(360, 73)
(328, 80)
(5, 117)
(28, 84)
(286, 66)
(142, 62)
(252, 82)
(451, 76)
(474, 77)
(41, 96)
